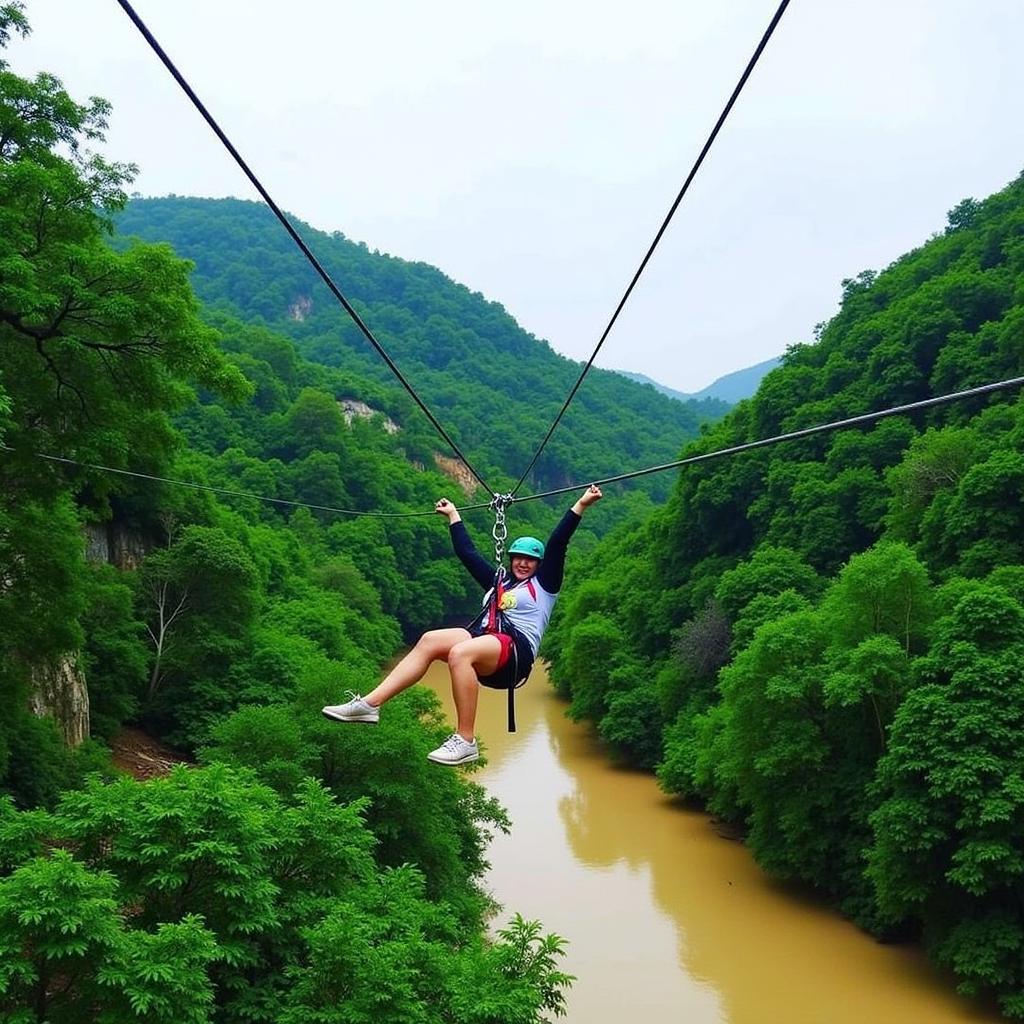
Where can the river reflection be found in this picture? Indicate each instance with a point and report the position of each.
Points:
(666, 919)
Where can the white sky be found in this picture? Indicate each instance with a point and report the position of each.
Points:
(530, 150)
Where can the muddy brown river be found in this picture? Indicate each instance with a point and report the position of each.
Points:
(667, 921)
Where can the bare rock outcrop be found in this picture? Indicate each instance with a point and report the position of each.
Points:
(300, 308)
(457, 471)
(352, 408)
(59, 690)
(59, 687)
(116, 544)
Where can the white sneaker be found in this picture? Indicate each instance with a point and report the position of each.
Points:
(454, 750)
(356, 710)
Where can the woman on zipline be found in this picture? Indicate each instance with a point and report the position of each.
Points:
(498, 648)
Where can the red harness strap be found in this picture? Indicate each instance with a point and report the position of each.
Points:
(495, 604)
(497, 593)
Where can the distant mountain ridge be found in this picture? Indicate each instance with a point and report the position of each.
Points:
(730, 388)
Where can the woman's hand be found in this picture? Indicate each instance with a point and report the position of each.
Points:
(445, 508)
(587, 498)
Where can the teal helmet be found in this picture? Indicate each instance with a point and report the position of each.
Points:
(529, 546)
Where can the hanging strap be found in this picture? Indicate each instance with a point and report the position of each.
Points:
(494, 625)
(512, 688)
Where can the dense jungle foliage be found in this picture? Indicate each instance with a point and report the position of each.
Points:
(823, 641)
(494, 387)
(301, 872)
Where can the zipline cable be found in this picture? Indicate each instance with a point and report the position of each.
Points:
(225, 490)
(657, 238)
(296, 237)
(853, 421)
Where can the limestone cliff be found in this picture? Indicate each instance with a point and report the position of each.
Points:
(59, 690)
(115, 543)
(352, 408)
(457, 471)
(59, 687)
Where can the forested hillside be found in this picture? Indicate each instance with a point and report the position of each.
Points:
(494, 387)
(298, 871)
(823, 641)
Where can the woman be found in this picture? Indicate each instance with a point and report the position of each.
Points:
(478, 651)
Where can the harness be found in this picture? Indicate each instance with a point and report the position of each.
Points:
(493, 620)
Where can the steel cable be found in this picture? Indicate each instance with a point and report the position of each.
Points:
(226, 490)
(296, 237)
(853, 421)
(661, 231)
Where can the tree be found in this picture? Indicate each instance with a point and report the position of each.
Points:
(947, 847)
(935, 463)
(100, 342)
(984, 522)
(591, 653)
(883, 591)
(198, 593)
(441, 824)
(67, 954)
(99, 347)
(207, 881)
(770, 570)
(115, 656)
(313, 423)
(963, 214)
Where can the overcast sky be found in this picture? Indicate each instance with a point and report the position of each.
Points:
(530, 150)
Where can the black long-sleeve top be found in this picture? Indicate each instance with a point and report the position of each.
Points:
(551, 570)
(526, 604)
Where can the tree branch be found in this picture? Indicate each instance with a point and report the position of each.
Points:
(61, 382)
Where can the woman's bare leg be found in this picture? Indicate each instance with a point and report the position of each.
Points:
(466, 662)
(432, 646)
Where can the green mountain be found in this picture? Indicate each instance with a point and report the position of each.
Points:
(823, 641)
(721, 393)
(495, 387)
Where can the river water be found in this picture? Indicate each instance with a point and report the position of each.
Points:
(667, 921)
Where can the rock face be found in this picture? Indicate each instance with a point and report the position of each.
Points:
(97, 542)
(352, 407)
(457, 471)
(116, 544)
(300, 308)
(59, 687)
(59, 690)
